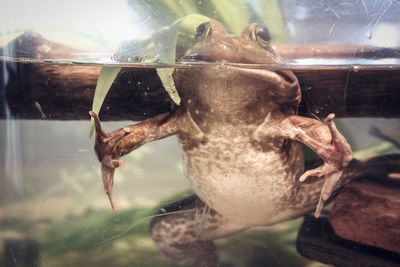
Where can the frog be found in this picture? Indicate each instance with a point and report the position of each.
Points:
(242, 141)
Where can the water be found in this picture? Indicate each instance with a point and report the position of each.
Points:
(53, 211)
(62, 216)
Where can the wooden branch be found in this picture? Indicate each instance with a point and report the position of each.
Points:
(66, 93)
(40, 91)
(347, 51)
(367, 93)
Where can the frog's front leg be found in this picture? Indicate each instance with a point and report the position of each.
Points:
(325, 140)
(336, 154)
(109, 147)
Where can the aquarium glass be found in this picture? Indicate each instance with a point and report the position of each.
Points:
(61, 59)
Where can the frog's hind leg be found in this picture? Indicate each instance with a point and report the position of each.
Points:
(187, 228)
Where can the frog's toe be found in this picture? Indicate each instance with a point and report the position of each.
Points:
(332, 175)
(104, 148)
(97, 125)
(105, 142)
(341, 150)
(311, 173)
(332, 183)
(108, 166)
(337, 156)
(107, 174)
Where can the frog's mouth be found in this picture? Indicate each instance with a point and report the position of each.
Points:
(199, 57)
(191, 58)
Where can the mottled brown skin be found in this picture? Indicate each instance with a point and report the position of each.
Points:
(241, 137)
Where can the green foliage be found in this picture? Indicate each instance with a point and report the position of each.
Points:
(96, 229)
(165, 43)
(382, 148)
(122, 239)
(104, 82)
(234, 14)
(171, 42)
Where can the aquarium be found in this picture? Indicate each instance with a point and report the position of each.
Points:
(204, 117)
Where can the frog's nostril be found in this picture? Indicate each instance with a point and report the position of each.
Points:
(287, 76)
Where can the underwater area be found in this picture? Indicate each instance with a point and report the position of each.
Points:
(117, 59)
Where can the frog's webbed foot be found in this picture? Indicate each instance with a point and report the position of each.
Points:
(104, 148)
(336, 155)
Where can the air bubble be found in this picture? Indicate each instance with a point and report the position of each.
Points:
(368, 34)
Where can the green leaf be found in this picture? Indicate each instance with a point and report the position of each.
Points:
(181, 8)
(270, 13)
(186, 33)
(104, 82)
(171, 42)
(233, 14)
(165, 75)
(165, 42)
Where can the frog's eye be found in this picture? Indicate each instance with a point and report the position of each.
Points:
(202, 31)
(261, 35)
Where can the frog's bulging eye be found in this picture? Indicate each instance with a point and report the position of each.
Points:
(202, 31)
(261, 35)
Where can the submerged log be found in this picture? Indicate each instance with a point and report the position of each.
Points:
(363, 228)
(368, 212)
(63, 92)
(317, 240)
(40, 91)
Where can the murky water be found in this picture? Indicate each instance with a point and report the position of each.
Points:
(53, 211)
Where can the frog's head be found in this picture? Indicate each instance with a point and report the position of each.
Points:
(237, 88)
(215, 44)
